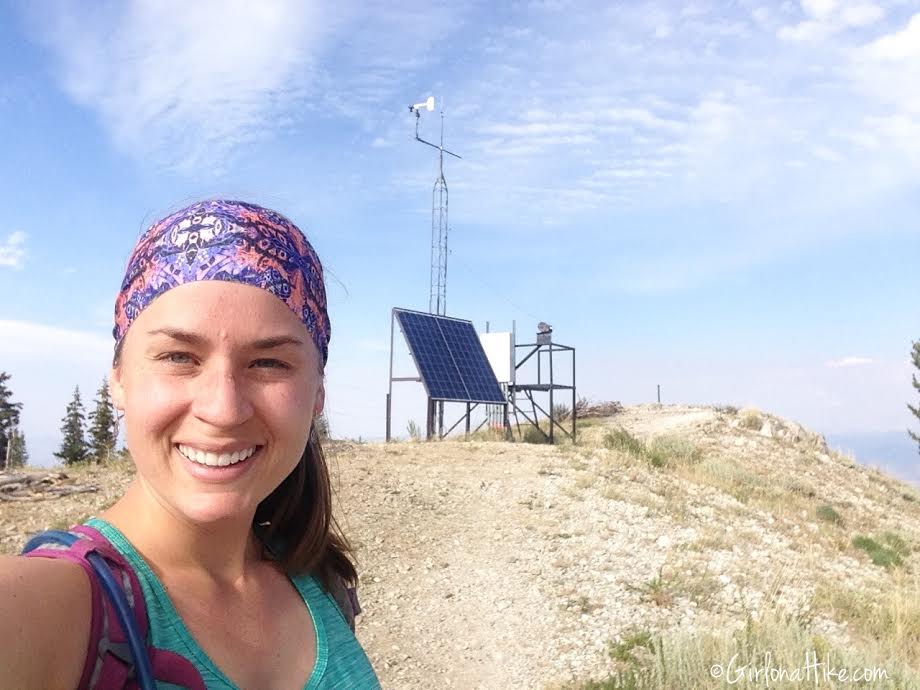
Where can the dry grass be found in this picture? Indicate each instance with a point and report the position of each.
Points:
(765, 652)
(886, 622)
(751, 419)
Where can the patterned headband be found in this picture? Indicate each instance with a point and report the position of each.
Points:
(226, 240)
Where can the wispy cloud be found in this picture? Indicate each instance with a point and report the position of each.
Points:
(187, 85)
(899, 45)
(600, 113)
(846, 362)
(25, 341)
(563, 118)
(13, 251)
(824, 18)
(184, 84)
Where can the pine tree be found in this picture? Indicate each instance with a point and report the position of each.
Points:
(73, 447)
(19, 454)
(103, 432)
(915, 356)
(9, 417)
(321, 427)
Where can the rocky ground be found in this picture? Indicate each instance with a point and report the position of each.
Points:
(497, 565)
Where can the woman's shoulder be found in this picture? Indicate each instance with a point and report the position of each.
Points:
(45, 614)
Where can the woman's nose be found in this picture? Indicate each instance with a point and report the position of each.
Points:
(221, 399)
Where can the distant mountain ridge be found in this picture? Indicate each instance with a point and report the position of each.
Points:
(892, 451)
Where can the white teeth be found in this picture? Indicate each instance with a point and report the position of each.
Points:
(213, 459)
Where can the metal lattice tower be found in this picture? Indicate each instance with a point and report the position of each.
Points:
(437, 289)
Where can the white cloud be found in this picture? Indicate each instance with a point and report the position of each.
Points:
(820, 9)
(827, 17)
(846, 362)
(568, 115)
(12, 250)
(805, 31)
(861, 15)
(897, 46)
(185, 83)
(639, 116)
(886, 74)
(828, 154)
(28, 341)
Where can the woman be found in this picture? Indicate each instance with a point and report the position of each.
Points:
(221, 340)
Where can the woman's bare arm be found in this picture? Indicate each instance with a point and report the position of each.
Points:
(45, 610)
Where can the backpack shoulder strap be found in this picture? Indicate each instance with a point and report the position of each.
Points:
(49, 545)
(118, 655)
(346, 598)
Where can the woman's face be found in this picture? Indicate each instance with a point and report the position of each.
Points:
(200, 392)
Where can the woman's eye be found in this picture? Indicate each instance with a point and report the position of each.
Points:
(272, 363)
(185, 358)
(171, 357)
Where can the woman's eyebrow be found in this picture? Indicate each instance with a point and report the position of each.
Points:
(198, 341)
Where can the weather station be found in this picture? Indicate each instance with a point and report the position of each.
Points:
(453, 362)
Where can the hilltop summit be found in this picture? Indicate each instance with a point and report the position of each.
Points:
(487, 564)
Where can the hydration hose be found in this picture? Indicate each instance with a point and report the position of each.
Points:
(139, 657)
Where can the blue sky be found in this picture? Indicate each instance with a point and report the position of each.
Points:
(721, 198)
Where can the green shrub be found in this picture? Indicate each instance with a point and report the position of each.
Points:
(658, 590)
(623, 650)
(561, 411)
(828, 514)
(671, 450)
(891, 554)
(896, 543)
(662, 451)
(621, 440)
(751, 419)
(534, 435)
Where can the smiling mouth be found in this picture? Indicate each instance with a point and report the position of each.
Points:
(200, 457)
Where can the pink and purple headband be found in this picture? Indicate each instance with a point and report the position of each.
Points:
(226, 240)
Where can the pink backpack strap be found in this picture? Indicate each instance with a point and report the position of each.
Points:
(109, 665)
(96, 596)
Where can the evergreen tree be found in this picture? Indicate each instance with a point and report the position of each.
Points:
(321, 427)
(19, 454)
(915, 356)
(103, 432)
(9, 417)
(73, 447)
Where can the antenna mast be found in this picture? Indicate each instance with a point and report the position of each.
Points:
(437, 290)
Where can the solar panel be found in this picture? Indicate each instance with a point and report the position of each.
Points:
(449, 357)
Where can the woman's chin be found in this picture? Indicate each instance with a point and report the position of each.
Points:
(211, 509)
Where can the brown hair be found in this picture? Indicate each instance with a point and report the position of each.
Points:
(295, 521)
(302, 533)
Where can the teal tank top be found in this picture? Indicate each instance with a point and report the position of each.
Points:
(340, 661)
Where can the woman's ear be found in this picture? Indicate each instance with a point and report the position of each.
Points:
(320, 400)
(116, 389)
